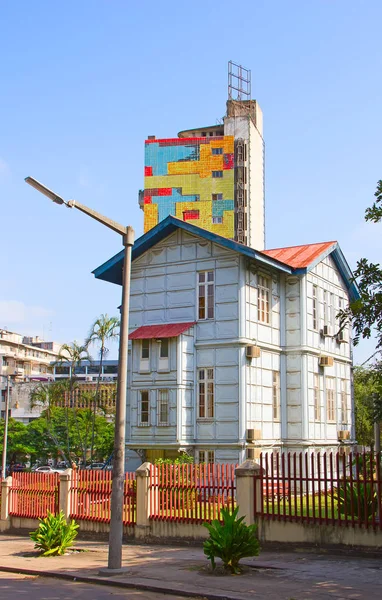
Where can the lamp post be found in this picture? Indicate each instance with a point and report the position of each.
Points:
(5, 440)
(117, 489)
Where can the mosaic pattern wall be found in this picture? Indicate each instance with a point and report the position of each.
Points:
(191, 179)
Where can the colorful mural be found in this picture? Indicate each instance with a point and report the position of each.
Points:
(191, 179)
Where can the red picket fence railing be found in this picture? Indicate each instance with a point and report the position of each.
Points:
(90, 496)
(31, 495)
(334, 489)
(191, 493)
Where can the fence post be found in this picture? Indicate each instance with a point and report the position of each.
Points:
(142, 525)
(64, 492)
(247, 477)
(5, 492)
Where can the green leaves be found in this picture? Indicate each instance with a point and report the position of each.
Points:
(359, 499)
(230, 540)
(54, 535)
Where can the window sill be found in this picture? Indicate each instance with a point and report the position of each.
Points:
(205, 420)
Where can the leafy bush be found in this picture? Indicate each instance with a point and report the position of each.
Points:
(358, 498)
(230, 540)
(54, 535)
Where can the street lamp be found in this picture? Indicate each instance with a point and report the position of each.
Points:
(5, 440)
(117, 488)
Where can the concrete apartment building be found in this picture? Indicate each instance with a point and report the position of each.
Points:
(31, 359)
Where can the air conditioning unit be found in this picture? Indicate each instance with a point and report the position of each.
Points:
(326, 361)
(341, 337)
(88, 378)
(327, 331)
(343, 435)
(253, 434)
(252, 352)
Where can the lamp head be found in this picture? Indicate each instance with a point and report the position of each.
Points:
(44, 190)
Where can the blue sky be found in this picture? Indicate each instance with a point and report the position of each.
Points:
(82, 84)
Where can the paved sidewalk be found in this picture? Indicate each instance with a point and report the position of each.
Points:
(184, 571)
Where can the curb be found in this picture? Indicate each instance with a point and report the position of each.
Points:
(113, 583)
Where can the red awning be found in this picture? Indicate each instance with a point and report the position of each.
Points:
(148, 332)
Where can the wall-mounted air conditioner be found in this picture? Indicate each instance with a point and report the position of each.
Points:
(341, 337)
(327, 331)
(252, 352)
(326, 361)
(253, 434)
(343, 435)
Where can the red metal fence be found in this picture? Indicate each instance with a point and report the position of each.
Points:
(33, 494)
(327, 488)
(90, 497)
(191, 493)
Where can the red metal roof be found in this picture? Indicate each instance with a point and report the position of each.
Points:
(299, 257)
(167, 330)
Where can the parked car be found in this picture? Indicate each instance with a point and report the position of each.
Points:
(47, 469)
(96, 466)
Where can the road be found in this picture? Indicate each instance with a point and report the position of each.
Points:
(17, 587)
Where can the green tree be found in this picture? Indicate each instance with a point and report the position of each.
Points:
(72, 354)
(366, 388)
(18, 448)
(366, 312)
(103, 330)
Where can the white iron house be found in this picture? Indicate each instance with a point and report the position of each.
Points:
(233, 350)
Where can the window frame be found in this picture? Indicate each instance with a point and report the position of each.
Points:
(209, 305)
(142, 423)
(217, 220)
(206, 398)
(315, 316)
(217, 151)
(317, 396)
(264, 293)
(210, 455)
(218, 174)
(163, 402)
(217, 199)
(330, 399)
(344, 401)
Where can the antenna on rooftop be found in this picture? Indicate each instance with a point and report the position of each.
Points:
(239, 82)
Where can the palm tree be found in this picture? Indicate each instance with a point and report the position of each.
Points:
(103, 330)
(73, 354)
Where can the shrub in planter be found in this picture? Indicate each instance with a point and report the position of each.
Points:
(54, 535)
(230, 540)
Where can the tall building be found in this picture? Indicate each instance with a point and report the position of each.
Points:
(211, 176)
(234, 349)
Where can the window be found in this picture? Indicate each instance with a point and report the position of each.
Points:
(276, 395)
(163, 352)
(217, 174)
(217, 220)
(145, 350)
(330, 400)
(144, 409)
(316, 397)
(206, 457)
(162, 407)
(206, 293)
(206, 393)
(315, 308)
(344, 403)
(263, 299)
(216, 197)
(217, 150)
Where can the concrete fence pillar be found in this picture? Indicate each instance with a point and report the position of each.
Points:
(5, 493)
(64, 492)
(248, 489)
(142, 526)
